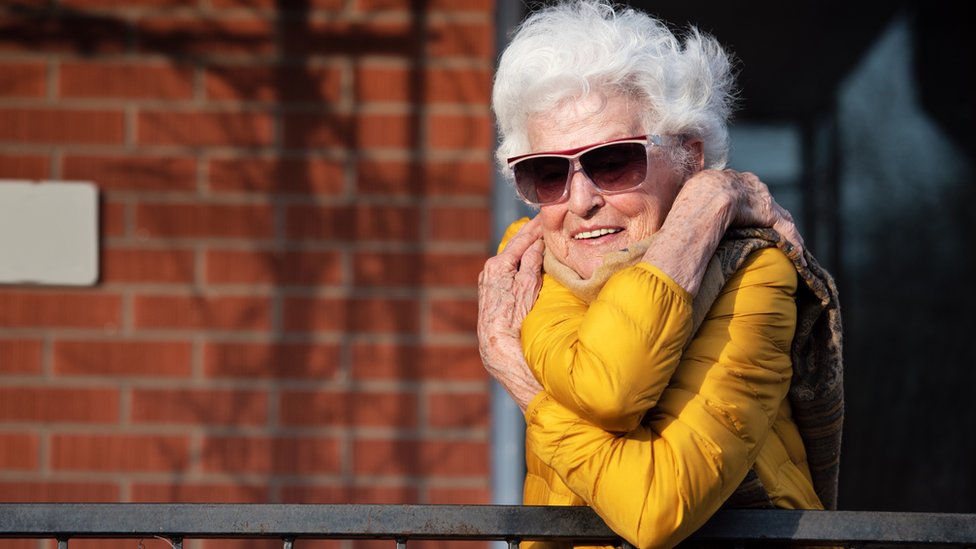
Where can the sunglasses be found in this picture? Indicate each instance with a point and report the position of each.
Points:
(614, 166)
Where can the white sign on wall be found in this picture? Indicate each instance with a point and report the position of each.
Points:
(48, 232)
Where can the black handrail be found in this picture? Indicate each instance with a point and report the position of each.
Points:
(402, 523)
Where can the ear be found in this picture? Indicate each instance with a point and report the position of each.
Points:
(697, 148)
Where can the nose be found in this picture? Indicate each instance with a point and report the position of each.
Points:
(584, 197)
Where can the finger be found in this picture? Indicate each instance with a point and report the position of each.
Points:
(786, 227)
(530, 268)
(523, 239)
(532, 258)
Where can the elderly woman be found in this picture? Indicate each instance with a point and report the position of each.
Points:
(653, 361)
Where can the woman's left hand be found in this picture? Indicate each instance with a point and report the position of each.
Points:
(751, 202)
(710, 202)
(507, 288)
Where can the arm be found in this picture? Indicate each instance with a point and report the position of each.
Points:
(658, 483)
(608, 362)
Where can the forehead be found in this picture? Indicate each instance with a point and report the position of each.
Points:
(579, 122)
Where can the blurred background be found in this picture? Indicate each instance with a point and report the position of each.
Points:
(295, 199)
(857, 116)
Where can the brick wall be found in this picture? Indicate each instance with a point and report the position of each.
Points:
(294, 210)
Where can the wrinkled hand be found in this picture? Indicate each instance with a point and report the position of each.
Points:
(507, 288)
(752, 203)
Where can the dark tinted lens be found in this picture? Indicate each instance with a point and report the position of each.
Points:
(542, 179)
(616, 167)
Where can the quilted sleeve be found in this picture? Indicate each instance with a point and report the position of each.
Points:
(657, 483)
(609, 362)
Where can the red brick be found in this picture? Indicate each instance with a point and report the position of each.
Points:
(454, 39)
(119, 452)
(414, 544)
(386, 131)
(272, 360)
(128, 3)
(417, 269)
(406, 5)
(111, 218)
(457, 223)
(23, 79)
(147, 543)
(63, 34)
(59, 310)
(411, 363)
(18, 451)
(358, 222)
(458, 410)
(196, 36)
(426, 458)
(24, 167)
(20, 356)
(278, 175)
(199, 407)
(459, 496)
(24, 543)
(134, 265)
(451, 132)
(270, 544)
(139, 173)
(378, 131)
(308, 268)
(372, 315)
(49, 404)
(277, 4)
(362, 409)
(204, 129)
(126, 81)
(257, 455)
(87, 491)
(306, 493)
(360, 38)
(61, 126)
(202, 312)
(429, 179)
(273, 83)
(113, 358)
(436, 85)
(453, 316)
(204, 220)
(184, 492)
(314, 130)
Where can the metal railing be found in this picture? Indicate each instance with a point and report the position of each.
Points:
(292, 523)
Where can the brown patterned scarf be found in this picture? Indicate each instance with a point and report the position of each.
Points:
(816, 392)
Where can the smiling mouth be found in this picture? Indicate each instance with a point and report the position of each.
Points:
(595, 234)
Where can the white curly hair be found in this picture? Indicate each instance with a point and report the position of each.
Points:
(685, 86)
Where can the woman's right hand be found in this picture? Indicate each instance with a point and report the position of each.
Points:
(507, 289)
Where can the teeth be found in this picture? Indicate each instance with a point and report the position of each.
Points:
(596, 233)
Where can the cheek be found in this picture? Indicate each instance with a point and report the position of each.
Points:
(552, 226)
(552, 218)
(647, 212)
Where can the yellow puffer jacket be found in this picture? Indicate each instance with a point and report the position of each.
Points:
(654, 432)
